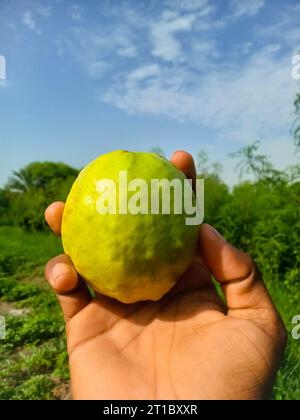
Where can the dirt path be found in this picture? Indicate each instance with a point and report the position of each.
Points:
(9, 309)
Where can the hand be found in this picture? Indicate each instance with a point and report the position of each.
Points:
(189, 345)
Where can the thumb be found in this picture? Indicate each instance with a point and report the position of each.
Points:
(241, 281)
(72, 293)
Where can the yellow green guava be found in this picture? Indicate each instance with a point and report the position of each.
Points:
(130, 257)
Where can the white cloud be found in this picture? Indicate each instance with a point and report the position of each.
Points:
(203, 53)
(246, 48)
(172, 64)
(163, 33)
(76, 12)
(246, 7)
(28, 20)
(187, 5)
(129, 51)
(149, 70)
(96, 68)
(285, 30)
(199, 8)
(242, 103)
(98, 50)
(87, 50)
(44, 10)
(121, 38)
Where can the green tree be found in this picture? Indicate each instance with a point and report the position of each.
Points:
(39, 175)
(254, 163)
(216, 192)
(216, 195)
(31, 190)
(4, 206)
(204, 166)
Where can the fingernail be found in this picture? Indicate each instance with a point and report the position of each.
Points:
(216, 234)
(61, 271)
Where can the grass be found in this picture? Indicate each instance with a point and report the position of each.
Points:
(25, 250)
(287, 386)
(33, 358)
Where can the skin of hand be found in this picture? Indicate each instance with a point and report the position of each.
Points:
(188, 345)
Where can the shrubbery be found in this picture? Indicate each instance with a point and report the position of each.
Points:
(27, 194)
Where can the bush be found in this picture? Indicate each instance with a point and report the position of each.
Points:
(36, 387)
(31, 189)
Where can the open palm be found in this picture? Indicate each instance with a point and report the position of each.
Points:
(188, 345)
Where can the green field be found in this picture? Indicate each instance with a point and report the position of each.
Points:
(261, 217)
(33, 355)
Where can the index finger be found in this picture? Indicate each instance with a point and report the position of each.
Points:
(53, 216)
(185, 163)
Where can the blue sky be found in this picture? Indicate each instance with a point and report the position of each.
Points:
(87, 77)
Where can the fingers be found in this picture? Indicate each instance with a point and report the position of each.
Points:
(243, 287)
(53, 216)
(72, 293)
(185, 163)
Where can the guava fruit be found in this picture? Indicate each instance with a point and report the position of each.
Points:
(129, 257)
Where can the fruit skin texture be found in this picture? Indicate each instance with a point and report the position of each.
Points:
(127, 257)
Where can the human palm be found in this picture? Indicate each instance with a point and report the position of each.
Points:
(188, 345)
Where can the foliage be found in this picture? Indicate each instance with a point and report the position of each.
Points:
(251, 162)
(216, 195)
(205, 167)
(262, 217)
(41, 176)
(31, 190)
